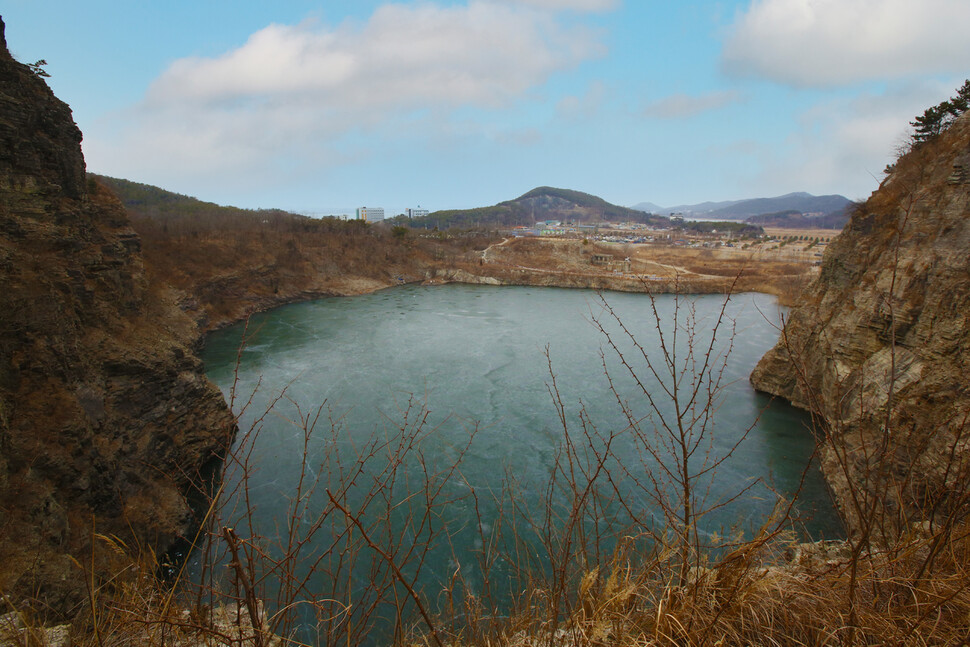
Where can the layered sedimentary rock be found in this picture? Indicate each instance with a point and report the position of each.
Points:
(107, 421)
(880, 346)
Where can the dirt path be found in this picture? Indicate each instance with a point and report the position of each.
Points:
(493, 245)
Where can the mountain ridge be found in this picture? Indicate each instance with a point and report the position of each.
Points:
(799, 201)
(540, 204)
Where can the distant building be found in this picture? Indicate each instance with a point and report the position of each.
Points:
(611, 262)
(417, 213)
(370, 214)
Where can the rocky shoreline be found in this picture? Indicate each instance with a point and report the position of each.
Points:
(107, 421)
(108, 425)
(351, 286)
(879, 347)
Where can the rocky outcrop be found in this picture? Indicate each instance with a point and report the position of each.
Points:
(107, 421)
(880, 346)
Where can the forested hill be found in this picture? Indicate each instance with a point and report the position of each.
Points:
(799, 220)
(538, 205)
(803, 203)
(164, 206)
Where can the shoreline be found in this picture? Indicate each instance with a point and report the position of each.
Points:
(349, 286)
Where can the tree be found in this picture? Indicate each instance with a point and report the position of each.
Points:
(961, 102)
(930, 123)
(938, 118)
(38, 68)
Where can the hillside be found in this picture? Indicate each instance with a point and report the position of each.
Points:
(228, 262)
(700, 208)
(802, 203)
(108, 424)
(881, 345)
(648, 207)
(540, 204)
(162, 206)
(799, 220)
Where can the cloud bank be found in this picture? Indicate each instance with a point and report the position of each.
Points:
(821, 43)
(682, 106)
(847, 141)
(296, 90)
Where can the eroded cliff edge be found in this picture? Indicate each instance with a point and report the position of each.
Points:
(880, 346)
(106, 417)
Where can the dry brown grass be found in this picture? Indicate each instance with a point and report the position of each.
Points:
(578, 582)
(653, 268)
(785, 232)
(228, 267)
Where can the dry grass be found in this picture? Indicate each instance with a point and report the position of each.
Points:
(653, 267)
(576, 579)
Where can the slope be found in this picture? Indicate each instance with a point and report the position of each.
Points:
(107, 421)
(540, 204)
(880, 349)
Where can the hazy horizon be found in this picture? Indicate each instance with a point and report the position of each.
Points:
(453, 104)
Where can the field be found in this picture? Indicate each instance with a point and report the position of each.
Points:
(773, 267)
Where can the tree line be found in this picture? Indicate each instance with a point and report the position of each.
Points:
(938, 118)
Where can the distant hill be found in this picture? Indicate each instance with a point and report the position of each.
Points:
(798, 220)
(540, 204)
(803, 203)
(161, 205)
(702, 207)
(648, 207)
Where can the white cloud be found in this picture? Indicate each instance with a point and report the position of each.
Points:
(680, 106)
(520, 138)
(843, 145)
(584, 106)
(817, 43)
(301, 90)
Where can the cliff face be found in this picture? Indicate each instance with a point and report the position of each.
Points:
(106, 418)
(880, 347)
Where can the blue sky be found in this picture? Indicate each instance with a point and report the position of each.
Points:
(325, 106)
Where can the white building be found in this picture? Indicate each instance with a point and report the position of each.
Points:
(417, 213)
(370, 214)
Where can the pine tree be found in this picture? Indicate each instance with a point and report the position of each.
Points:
(961, 102)
(938, 118)
(929, 124)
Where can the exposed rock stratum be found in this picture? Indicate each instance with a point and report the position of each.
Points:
(880, 346)
(107, 421)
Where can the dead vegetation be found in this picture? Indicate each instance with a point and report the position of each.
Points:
(558, 566)
(652, 267)
(581, 563)
(229, 262)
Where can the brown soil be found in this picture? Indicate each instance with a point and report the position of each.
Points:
(651, 267)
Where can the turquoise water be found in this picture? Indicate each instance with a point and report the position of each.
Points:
(496, 379)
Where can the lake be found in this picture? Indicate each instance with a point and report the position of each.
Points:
(421, 413)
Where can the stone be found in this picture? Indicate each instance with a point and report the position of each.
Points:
(107, 422)
(879, 346)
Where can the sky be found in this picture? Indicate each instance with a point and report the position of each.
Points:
(324, 106)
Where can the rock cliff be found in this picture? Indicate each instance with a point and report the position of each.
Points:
(107, 421)
(880, 346)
